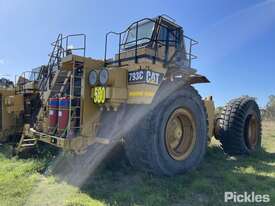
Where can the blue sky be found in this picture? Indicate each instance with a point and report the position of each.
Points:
(237, 37)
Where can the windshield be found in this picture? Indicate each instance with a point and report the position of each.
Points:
(145, 31)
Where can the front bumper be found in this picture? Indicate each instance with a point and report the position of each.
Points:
(77, 144)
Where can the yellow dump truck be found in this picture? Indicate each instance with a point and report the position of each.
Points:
(143, 97)
(11, 113)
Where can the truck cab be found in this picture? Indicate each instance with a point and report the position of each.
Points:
(156, 40)
(148, 52)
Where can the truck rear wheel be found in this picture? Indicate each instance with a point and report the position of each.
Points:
(172, 137)
(239, 127)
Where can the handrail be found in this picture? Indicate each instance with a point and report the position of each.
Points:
(137, 42)
(106, 43)
(67, 37)
(53, 60)
(60, 49)
(145, 38)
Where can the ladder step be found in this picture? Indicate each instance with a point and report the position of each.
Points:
(57, 85)
(63, 73)
(27, 145)
(64, 76)
(60, 83)
(60, 80)
(27, 140)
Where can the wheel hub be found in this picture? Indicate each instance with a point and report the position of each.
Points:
(251, 131)
(180, 135)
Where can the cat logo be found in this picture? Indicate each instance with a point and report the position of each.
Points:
(153, 77)
(145, 77)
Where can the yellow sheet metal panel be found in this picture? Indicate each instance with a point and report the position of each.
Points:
(143, 92)
(15, 104)
(210, 109)
(8, 117)
(90, 110)
(117, 94)
(117, 77)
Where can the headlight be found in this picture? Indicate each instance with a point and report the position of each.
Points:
(93, 78)
(103, 76)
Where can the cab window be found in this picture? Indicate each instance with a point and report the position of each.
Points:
(145, 31)
(163, 35)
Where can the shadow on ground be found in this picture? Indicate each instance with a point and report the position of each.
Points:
(121, 185)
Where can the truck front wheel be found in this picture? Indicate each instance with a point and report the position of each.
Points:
(171, 138)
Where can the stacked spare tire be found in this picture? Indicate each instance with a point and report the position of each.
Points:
(239, 126)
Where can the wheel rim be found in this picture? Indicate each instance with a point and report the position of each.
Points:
(252, 131)
(180, 134)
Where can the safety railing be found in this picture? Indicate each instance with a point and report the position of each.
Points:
(64, 43)
(61, 48)
(154, 42)
(28, 80)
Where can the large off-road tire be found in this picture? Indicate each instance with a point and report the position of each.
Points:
(239, 126)
(170, 136)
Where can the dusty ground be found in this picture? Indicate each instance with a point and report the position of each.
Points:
(22, 181)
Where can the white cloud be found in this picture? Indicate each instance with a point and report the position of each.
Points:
(2, 61)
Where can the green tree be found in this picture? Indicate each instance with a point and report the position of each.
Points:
(218, 110)
(270, 108)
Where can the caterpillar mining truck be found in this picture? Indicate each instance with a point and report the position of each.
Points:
(18, 106)
(143, 97)
(11, 110)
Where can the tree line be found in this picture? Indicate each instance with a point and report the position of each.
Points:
(268, 113)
